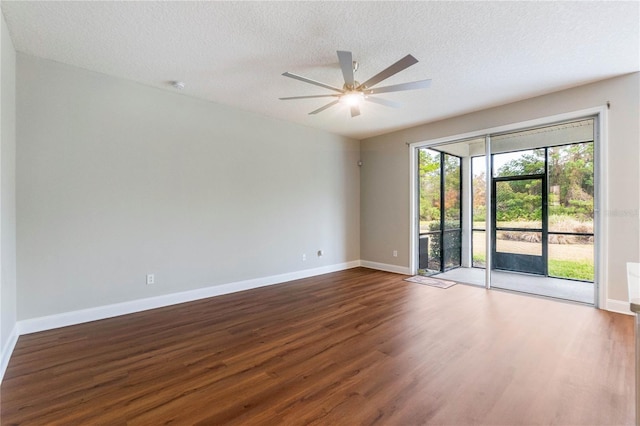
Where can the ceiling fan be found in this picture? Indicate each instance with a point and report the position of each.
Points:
(354, 92)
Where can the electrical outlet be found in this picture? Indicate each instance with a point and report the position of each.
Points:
(304, 257)
(151, 279)
(395, 253)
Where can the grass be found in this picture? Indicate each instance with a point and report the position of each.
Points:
(478, 260)
(571, 269)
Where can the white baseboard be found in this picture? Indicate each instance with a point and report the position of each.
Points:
(619, 306)
(7, 350)
(386, 267)
(50, 322)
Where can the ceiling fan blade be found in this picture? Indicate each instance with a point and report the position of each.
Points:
(420, 84)
(384, 102)
(308, 80)
(346, 64)
(355, 111)
(325, 107)
(308, 97)
(402, 64)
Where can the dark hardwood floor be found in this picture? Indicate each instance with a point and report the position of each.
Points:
(353, 347)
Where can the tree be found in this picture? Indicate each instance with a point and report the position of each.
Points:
(479, 197)
(526, 164)
(429, 169)
(570, 184)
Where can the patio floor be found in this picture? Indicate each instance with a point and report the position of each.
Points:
(576, 291)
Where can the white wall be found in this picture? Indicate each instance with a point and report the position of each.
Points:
(7, 194)
(116, 180)
(385, 173)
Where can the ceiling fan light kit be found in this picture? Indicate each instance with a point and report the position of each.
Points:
(354, 93)
(352, 98)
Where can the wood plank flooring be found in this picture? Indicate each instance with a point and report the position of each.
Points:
(352, 347)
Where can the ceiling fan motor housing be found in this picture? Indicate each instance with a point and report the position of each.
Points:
(356, 86)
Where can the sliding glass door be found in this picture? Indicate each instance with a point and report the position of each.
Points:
(520, 218)
(542, 203)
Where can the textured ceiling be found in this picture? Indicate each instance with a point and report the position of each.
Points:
(478, 54)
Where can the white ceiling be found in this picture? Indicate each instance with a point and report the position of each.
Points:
(478, 54)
